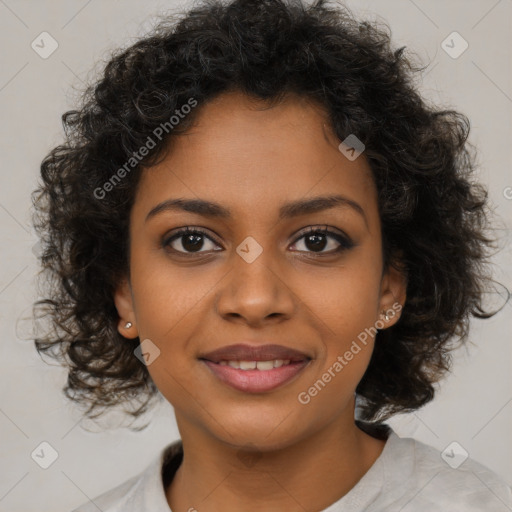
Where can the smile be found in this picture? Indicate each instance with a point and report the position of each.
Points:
(256, 376)
(253, 365)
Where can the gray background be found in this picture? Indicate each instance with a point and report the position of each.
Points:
(474, 406)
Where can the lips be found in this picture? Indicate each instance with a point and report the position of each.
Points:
(243, 352)
(255, 369)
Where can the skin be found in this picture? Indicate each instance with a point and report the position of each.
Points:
(252, 159)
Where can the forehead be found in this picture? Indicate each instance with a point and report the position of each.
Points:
(243, 151)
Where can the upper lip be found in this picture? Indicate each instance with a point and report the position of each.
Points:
(243, 352)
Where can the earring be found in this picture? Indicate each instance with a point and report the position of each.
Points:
(385, 315)
(127, 325)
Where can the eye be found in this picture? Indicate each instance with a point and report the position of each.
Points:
(315, 240)
(189, 241)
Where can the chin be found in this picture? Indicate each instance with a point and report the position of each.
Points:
(256, 434)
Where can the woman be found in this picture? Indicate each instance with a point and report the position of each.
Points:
(256, 216)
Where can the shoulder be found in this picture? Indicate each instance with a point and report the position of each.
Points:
(111, 500)
(144, 491)
(429, 479)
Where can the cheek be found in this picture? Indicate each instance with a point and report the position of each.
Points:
(169, 304)
(166, 296)
(347, 306)
(347, 298)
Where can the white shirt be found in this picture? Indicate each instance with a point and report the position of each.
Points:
(408, 476)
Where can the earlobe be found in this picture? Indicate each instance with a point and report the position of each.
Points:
(393, 295)
(123, 300)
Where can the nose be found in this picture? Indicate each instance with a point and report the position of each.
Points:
(255, 293)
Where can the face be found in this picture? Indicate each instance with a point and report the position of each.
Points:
(268, 263)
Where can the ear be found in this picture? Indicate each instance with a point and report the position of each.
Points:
(392, 295)
(123, 300)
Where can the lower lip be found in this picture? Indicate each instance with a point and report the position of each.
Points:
(256, 381)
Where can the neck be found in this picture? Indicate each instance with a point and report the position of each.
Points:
(310, 474)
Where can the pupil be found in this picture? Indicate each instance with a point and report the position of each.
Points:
(192, 242)
(317, 243)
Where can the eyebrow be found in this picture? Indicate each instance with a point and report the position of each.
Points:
(287, 211)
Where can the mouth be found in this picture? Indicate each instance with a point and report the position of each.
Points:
(255, 369)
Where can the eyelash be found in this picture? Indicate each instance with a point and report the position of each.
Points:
(344, 241)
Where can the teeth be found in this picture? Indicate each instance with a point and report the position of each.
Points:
(252, 365)
(248, 365)
(265, 365)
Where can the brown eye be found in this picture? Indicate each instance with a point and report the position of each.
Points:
(189, 241)
(316, 240)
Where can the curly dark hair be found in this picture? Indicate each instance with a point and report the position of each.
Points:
(434, 216)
